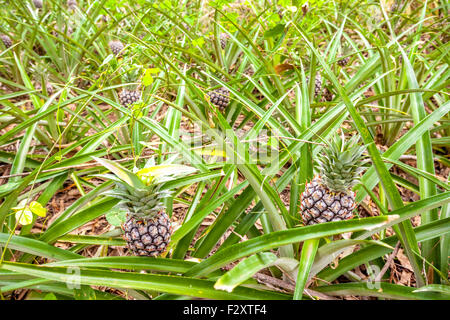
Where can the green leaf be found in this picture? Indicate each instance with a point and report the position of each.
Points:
(50, 296)
(275, 31)
(309, 250)
(154, 282)
(36, 247)
(116, 216)
(147, 79)
(280, 238)
(84, 293)
(124, 174)
(435, 288)
(379, 289)
(24, 216)
(244, 270)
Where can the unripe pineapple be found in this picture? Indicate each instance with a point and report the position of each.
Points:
(6, 40)
(317, 84)
(329, 196)
(116, 46)
(223, 40)
(220, 97)
(147, 229)
(343, 62)
(37, 4)
(148, 238)
(344, 51)
(129, 97)
(132, 93)
(327, 94)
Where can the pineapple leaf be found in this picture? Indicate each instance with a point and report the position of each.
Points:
(123, 174)
(166, 170)
(116, 216)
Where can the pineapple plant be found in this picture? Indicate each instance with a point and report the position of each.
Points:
(147, 227)
(344, 56)
(116, 46)
(329, 196)
(6, 40)
(132, 94)
(220, 97)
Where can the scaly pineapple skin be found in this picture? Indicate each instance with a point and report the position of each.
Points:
(6, 40)
(223, 40)
(148, 237)
(37, 4)
(220, 97)
(319, 204)
(128, 97)
(343, 62)
(116, 46)
(317, 84)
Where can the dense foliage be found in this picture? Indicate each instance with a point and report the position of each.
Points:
(249, 94)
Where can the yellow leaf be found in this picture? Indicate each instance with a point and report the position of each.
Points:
(38, 209)
(24, 216)
(165, 170)
(213, 152)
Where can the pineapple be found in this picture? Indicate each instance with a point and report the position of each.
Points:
(72, 4)
(132, 94)
(37, 4)
(329, 196)
(148, 237)
(317, 84)
(147, 227)
(6, 40)
(116, 46)
(328, 95)
(129, 97)
(220, 97)
(223, 40)
(343, 62)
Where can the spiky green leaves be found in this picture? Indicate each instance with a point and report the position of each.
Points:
(142, 192)
(342, 163)
(125, 175)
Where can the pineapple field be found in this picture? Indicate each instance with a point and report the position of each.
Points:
(224, 150)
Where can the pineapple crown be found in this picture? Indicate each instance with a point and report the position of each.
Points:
(342, 163)
(142, 191)
(131, 75)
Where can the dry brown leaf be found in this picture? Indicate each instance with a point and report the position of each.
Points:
(405, 278)
(404, 261)
(283, 67)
